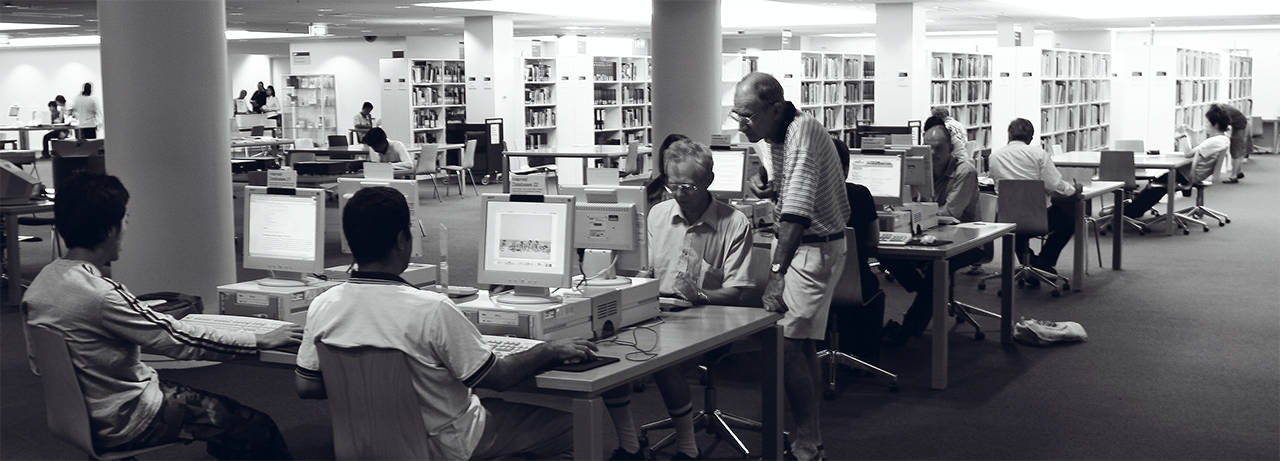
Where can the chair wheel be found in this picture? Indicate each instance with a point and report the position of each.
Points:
(1055, 293)
(1102, 232)
(829, 394)
(484, 181)
(1066, 286)
(1022, 283)
(979, 336)
(1228, 219)
(1186, 232)
(982, 285)
(893, 387)
(1206, 228)
(1142, 232)
(999, 293)
(1220, 224)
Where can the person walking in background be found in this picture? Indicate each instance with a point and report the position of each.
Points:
(85, 110)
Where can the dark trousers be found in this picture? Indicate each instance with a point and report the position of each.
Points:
(1062, 224)
(231, 430)
(916, 276)
(50, 136)
(1151, 195)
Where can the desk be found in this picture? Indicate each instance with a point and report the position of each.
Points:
(607, 152)
(272, 144)
(963, 237)
(349, 152)
(1168, 162)
(1097, 188)
(23, 141)
(19, 157)
(13, 266)
(1271, 134)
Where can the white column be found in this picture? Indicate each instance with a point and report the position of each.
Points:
(686, 69)
(901, 68)
(489, 45)
(164, 81)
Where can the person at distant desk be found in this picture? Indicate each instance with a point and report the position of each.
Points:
(365, 119)
(446, 354)
(259, 98)
(698, 248)
(1020, 160)
(55, 118)
(1206, 154)
(955, 187)
(272, 104)
(383, 150)
(130, 407)
(959, 135)
(240, 105)
(1241, 144)
(86, 113)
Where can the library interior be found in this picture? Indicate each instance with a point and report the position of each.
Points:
(611, 229)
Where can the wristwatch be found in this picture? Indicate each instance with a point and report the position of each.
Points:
(778, 268)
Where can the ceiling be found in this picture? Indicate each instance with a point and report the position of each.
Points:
(619, 18)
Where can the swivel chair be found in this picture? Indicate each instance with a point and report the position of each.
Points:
(710, 418)
(1118, 166)
(1199, 210)
(1021, 201)
(367, 390)
(467, 161)
(848, 297)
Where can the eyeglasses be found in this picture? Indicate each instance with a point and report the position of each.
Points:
(673, 188)
(740, 119)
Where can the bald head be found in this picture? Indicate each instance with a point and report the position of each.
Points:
(760, 87)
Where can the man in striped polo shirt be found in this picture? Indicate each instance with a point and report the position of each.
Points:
(811, 209)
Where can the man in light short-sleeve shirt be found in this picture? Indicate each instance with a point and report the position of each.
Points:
(376, 308)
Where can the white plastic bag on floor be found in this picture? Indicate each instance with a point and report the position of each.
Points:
(1042, 332)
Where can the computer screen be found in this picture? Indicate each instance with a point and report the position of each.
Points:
(348, 187)
(284, 233)
(881, 174)
(528, 243)
(14, 110)
(918, 163)
(730, 168)
(600, 224)
(895, 135)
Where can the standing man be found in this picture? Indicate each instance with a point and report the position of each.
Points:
(1240, 142)
(259, 98)
(1020, 160)
(959, 135)
(364, 121)
(811, 209)
(85, 110)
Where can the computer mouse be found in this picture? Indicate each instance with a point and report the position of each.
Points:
(928, 239)
(574, 360)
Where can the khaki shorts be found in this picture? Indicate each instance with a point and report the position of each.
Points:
(808, 286)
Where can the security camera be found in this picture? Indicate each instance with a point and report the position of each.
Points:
(370, 38)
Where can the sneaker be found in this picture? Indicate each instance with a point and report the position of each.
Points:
(1240, 175)
(621, 454)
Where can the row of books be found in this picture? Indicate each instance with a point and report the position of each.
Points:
(960, 91)
(309, 81)
(1091, 139)
(1195, 91)
(455, 95)
(1074, 91)
(605, 96)
(1074, 64)
(962, 66)
(537, 140)
(1241, 67)
(424, 137)
(818, 93)
(538, 72)
(1069, 118)
(1197, 63)
(836, 67)
(1238, 89)
(310, 99)
(634, 117)
(856, 92)
(426, 119)
(632, 94)
(538, 95)
(455, 115)
(855, 115)
(973, 114)
(540, 118)
(429, 72)
(426, 96)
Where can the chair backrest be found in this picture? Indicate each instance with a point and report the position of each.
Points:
(432, 162)
(1055, 149)
(1255, 126)
(304, 143)
(373, 404)
(633, 158)
(337, 140)
(1117, 165)
(469, 154)
(296, 157)
(67, 415)
(257, 130)
(1134, 145)
(1021, 201)
(848, 292)
(987, 207)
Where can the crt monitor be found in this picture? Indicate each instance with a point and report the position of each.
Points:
(895, 135)
(284, 233)
(347, 187)
(16, 186)
(610, 221)
(730, 168)
(527, 242)
(881, 174)
(918, 163)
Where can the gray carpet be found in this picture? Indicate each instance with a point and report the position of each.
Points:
(1182, 361)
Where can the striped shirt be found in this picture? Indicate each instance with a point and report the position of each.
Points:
(807, 174)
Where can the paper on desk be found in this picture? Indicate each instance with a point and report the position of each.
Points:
(972, 225)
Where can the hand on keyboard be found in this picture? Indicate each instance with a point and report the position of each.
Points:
(286, 335)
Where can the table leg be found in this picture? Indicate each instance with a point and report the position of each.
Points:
(14, 265)
(771, 393)
(940, 274)
(1006, 287)
(1172, 184)
(588, 421)
(506, 174)
(24, 139)
(1081, 241)
(1118, 223)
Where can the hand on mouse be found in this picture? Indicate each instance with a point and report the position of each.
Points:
(927, 239)
(573, 350)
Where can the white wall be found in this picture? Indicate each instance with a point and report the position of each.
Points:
(246, 71)
(1262, 46)
(31, 77)
(354, 65)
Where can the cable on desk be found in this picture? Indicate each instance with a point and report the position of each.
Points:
(640, 354)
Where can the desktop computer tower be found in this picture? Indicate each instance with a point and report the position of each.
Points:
(280, 303)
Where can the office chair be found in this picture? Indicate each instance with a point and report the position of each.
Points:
(373, 404)
(427, 167)
(1255, 133)
(848, 297)
(1116, 165)
(1021, 201)
(337, 140)
(1138, 147)
(67, 416)
(710, 418)
(632, 160)
(1199, 210)
(304, 143)
(467, 161)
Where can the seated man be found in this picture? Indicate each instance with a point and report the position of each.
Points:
(955, 182)
(1020, 160)
(1216, 144)
(130, 407)
(377, 308)
(383, 150)
(698, 247)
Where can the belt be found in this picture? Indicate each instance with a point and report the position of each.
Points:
(821, 238)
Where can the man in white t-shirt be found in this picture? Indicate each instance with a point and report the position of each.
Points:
(1206, 156)
(448, 357)
(383, 150)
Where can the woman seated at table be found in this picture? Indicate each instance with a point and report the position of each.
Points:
(1215, 144)
(383, 150)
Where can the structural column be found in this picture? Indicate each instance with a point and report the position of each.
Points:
(164, 79)
(488, 42)
(686, 69)
(901, 68)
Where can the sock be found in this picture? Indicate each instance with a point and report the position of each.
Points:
(682, 418)
(624, 424)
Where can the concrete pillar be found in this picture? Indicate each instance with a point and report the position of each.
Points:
(164, 81)
(686, 69)
(901, 68)
(489, 46)
(1010, 32)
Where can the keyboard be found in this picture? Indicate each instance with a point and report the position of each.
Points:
(506, 345)
(894, 238)
(235, 322)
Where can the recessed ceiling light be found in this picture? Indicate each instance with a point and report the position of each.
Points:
(325, 10)
(235, 14)
(404, 6)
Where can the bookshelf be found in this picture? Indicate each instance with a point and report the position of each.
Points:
(1239, 76)
(961, 82)
(538, 81)
(310, 102)
(1065, 93)
(584, 100)
(422, 96)
(620, 99)
(733, 67)
(835, 88)
(1165, 87)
